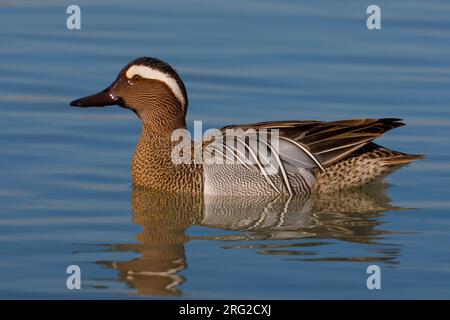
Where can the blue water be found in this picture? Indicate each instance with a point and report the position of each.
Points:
(65, 191)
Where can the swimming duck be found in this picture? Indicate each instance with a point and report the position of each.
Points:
(310, 156)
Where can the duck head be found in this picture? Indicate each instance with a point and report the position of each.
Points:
(146, 86)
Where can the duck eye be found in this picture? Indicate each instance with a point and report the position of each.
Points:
(136, 77)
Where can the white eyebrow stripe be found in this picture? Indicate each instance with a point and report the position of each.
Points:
(150, 73)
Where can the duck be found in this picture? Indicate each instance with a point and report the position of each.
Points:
(301, 157)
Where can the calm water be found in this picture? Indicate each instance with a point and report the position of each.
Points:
(65, 191)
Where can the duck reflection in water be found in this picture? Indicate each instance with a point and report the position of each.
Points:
(304, 221)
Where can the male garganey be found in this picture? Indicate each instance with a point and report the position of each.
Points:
(309, 156)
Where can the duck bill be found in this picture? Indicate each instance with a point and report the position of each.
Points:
(101, 99)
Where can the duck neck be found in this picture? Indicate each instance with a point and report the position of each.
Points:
(152, 165)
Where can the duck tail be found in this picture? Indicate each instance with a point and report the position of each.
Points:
(402, 159)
